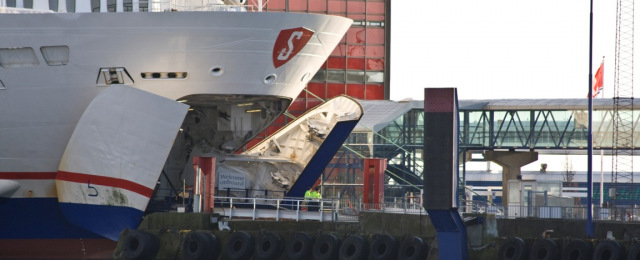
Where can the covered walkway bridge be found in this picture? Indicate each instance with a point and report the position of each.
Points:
(395, 131)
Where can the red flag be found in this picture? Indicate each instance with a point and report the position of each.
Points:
(598, 81)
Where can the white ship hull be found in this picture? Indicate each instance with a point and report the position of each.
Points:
(41, 104)
(238, 71)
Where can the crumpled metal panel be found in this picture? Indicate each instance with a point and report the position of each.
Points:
(276, 163)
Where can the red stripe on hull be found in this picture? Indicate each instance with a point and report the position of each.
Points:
(105, 181)
(27, 175)
(57, 248)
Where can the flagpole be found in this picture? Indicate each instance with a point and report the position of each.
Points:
(601, 151)
(589, 228)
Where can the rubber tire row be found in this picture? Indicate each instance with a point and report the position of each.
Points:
(240, 245)
(547, 249)
(355, 247)
(325, 247)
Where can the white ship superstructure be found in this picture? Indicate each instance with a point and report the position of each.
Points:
(236, 71)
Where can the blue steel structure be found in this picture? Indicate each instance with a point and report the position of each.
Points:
(440, 197)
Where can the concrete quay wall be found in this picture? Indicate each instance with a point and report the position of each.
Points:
(486, 233)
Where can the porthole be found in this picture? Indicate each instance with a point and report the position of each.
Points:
(217, 71)
(270, 79)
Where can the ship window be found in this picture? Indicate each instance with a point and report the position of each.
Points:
(55, 55)
(114, 75)
(111, 6)
(163, 75)
(144, 6)
(18, 57)
(53, 5)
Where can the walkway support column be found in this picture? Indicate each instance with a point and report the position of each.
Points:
(511, 162)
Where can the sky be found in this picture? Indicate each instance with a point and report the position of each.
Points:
(503, 49)
(499, 49)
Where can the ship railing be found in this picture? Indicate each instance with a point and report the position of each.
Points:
(13, 10)
(205, 6)
(155, 6)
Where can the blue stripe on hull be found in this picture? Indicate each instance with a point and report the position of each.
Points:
(36, 218)
(107, 221)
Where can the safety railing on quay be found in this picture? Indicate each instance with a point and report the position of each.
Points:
(279, 209)
(349, 209)
(343, 210)
(579, 212)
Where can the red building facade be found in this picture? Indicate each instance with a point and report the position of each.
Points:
(357, 67)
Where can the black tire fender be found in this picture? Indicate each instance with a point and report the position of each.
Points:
(326, 247)
(608, 249)
(354, 247)
(634, 251)
(200, 246)
(299, 246)
(139, 244)
(383, 247)
(413, 248)
(268, 246)
(544, 249)
(577, 250)
(240, 246)
(514, 248)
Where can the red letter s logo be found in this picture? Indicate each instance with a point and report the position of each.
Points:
(289, 43)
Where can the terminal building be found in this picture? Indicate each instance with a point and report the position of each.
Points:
(554, 129)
